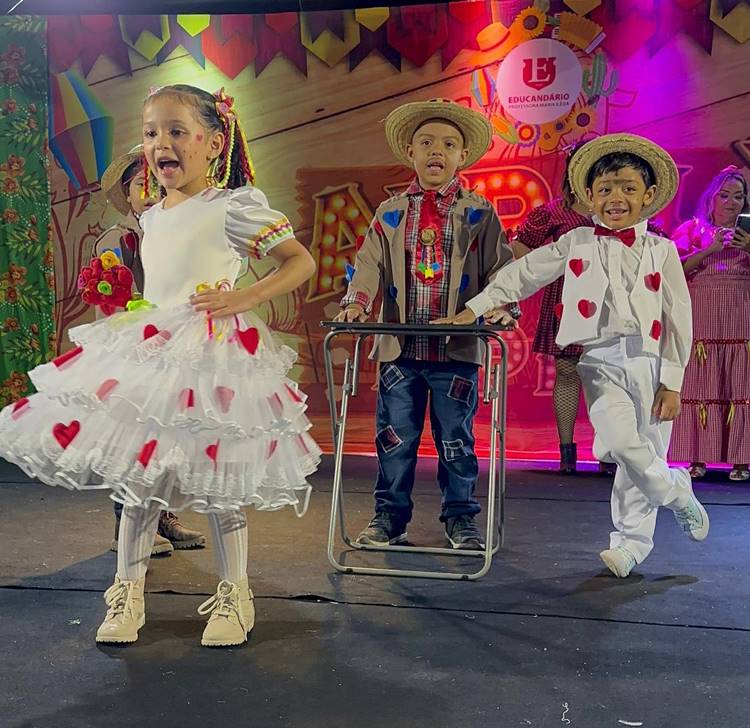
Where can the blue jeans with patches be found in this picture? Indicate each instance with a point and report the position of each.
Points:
(404, 389)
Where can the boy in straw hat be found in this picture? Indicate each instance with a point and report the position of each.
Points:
(428, 250)
(122, 183)
(626, 301)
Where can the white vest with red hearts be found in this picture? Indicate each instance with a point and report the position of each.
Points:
(586, 284)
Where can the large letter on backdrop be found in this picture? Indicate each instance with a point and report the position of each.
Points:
(341, 216)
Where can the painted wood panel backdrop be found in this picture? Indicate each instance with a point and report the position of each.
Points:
(676, 71)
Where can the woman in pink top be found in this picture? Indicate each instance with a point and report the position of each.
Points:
(713, 426)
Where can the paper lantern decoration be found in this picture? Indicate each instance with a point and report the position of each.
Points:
(80, 129)
(483, 87)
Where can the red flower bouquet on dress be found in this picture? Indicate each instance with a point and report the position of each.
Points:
(106, 283)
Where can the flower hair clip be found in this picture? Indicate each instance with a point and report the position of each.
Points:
(224, 105)
(153, 90)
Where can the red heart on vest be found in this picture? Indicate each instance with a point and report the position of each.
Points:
(653, 281)
(474, 246)
(586, 308)
(249, 338)
(224, 396)
(656, 330)
(359, 242)
(558, 310)
(578, 266)
(212, 451)
(378, 227)
(146, 452)
(63, 359)
(65, 434)
(19, 408)
(187, 399)
(105, 388)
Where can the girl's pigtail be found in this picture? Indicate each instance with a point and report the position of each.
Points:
(236, 168)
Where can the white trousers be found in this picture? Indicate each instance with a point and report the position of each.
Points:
(619, 383)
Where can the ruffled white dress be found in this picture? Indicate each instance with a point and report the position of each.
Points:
(166, 405)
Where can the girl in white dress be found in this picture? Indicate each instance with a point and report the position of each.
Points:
(184, 403)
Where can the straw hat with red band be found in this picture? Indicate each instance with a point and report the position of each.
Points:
(402, 123)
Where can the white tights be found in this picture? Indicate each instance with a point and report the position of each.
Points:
(136, 538)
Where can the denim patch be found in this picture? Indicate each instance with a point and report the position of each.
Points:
(461, 389)
(453, 449)
(388, 439)
(390, 376)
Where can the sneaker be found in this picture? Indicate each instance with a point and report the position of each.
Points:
(739, 473)
(693, 519)
(179, 536)
(462, 532)
(619, 561)
(161, 545)
(382, 530)
(697, 470)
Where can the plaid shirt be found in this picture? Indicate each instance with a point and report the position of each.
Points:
(427, 302)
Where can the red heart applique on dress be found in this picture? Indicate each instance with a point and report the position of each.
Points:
(63, 359)
(19, 408)
(578, 266)
(149, 330)
(277, 406)
(187, 399)
(586, 308)
(293, 393)
(656, 330)
(249, 338)
(653, 281)
(224, 396)
(558, 310)
(65, 434)
(146, 452)
(213, 451)
(105, 388)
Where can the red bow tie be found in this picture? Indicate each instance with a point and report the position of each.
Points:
(627, 236)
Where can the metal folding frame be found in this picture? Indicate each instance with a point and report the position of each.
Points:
(494, 393)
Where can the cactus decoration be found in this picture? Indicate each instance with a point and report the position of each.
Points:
(595, 79)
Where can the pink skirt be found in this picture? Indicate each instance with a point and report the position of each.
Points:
(714, 425)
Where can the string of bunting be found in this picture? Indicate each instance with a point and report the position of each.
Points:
(412, 33)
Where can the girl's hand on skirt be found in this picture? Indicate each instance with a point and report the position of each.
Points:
(666, 404)
(223, 303)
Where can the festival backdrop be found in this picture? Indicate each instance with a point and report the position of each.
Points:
(314, 87)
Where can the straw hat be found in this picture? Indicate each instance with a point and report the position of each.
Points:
(112, 179)
(402, 122)
(665, 170)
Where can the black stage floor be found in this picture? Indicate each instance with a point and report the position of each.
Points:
(546, 639)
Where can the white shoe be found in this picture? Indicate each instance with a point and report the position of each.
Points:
(232, 614)
(692, 518)
(126, 614)
(619, 561)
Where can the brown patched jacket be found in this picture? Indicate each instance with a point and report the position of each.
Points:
(381, 264)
